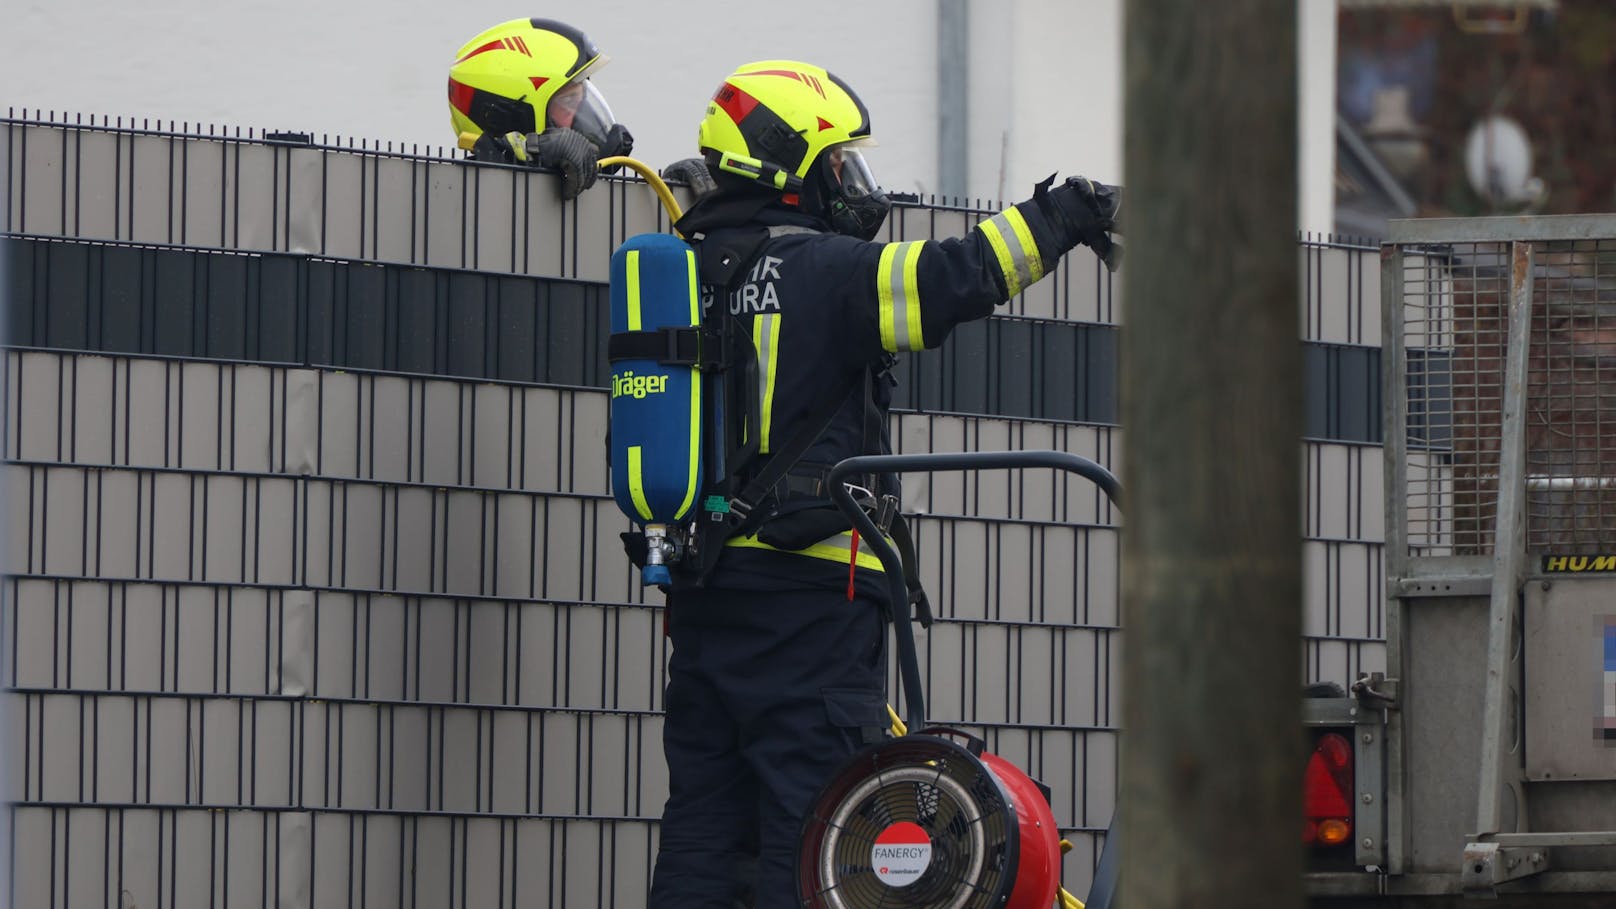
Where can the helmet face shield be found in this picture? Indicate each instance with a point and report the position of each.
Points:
(580, 106)
(852, 172)
(853, 202)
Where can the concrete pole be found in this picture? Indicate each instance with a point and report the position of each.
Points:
(1211, 753)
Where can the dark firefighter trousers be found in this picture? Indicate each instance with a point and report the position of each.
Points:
(769, 693)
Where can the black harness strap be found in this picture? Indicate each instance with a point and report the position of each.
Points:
(688, 346)
(905, 543)
(743, 505)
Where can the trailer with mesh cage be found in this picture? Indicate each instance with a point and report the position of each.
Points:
(1484, 759)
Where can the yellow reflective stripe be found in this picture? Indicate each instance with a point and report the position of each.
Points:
(636, 484)
(1013, 245)
(1031, 257)
(831, 549)
(695, 393)
(911, 282)
(766, 337)
(897, 289)
(883, 293)
(1007, 265)
(631, 267)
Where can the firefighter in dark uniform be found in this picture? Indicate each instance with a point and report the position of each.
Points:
(520, 93)
(778, 663)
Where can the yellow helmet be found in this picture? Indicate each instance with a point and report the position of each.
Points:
(793, 127)
(526, 75)
(782, 115)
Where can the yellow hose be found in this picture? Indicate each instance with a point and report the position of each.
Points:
(1067, 900)
(664, 194)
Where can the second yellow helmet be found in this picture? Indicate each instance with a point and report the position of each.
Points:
(527, 75)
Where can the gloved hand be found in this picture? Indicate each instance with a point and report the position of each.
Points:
(692, 172)
(1084, 212)
(563, 149)
(619, 141)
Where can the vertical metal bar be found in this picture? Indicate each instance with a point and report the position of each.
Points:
(280, 839)
(364, 860)
(1394, 417)
(56, 813)
(420, 213)
(325, 198)
(1509, 562)
(33, 747)
(331, 744)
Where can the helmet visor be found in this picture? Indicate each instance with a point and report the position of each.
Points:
(580, 106)
(852, 172)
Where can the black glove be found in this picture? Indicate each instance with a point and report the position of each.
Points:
(693, 173)
(1084, 212)
(619, 141)
(562, 149)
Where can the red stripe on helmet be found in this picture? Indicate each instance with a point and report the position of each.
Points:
(807, 79)
(460, 97)
(521, 43)
(735, 102)
(492, 45)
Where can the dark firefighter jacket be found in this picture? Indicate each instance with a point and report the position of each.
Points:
(823, 309)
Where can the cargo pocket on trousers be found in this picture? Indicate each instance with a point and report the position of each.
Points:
(863, 710)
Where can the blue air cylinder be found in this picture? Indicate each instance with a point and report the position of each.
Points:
(656, 407)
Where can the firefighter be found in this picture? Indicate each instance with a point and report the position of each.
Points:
(778, 658)
(522, 91)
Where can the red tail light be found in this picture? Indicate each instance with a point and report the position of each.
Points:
(1326, 792)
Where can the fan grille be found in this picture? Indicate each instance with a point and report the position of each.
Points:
(924, 780)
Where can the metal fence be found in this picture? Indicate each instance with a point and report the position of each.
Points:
(314, 594)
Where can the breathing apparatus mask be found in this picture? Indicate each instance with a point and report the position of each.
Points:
(579, 106)
(841, 190)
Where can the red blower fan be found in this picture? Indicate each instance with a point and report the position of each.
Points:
(923, 821)
(931, 820)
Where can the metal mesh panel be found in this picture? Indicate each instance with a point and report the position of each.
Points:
(1571, 399)
(1455, 300)
(1455, 331)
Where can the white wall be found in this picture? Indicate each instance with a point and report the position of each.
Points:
(1316, 47)
(366, 68)
(1045, 75)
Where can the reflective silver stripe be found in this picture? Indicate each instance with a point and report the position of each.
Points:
(898, 295)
